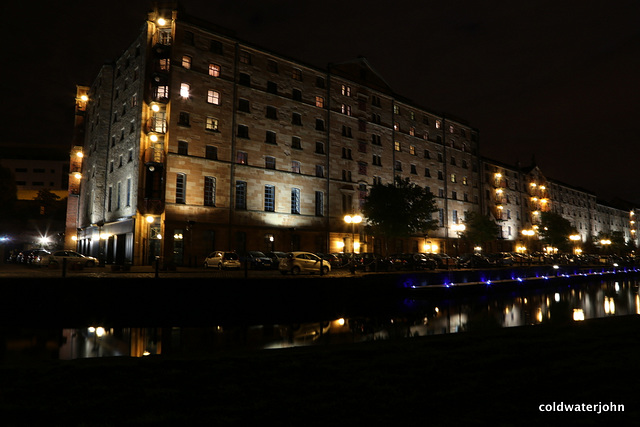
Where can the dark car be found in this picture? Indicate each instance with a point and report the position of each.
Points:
(368, 261)
(333, 259)
(275, 257)
(411, 262)
(501, 259)
(474, 261)
(443, 260)
(257, 260)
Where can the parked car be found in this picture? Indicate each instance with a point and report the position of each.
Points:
(33, 256)
(38, 257)
(444, 260)
(71, 257)
(257, 260)
(333, 259)
(299, 262)
(474, 261)
(222, 260)
(369, 261)
(415, 261)
(275, 258)
(501, 259)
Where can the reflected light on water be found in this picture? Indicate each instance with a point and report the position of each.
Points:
(406, 318)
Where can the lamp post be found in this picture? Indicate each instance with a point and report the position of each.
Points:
(528, 234)
(458, 228)
(353, 220)
(574, 238)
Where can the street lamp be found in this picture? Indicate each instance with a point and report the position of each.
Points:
(574, 238)
(353, 220)
(458, 228)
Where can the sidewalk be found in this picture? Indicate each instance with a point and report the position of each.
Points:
(147, 271)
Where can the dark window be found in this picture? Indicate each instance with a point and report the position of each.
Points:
(241, 195)
(243, 131)
(211, 152)
(216, 47)
(243, 105)
(181, 184)
(183, 147)
(209, 191)
(244, 79)
(272, 113)
(271, 137)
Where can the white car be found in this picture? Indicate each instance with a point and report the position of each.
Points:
(71, 257)
(222, 260)
(298, 262)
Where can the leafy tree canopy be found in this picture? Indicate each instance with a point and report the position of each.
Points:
(403, 209)
(555, 230)
(480, 229)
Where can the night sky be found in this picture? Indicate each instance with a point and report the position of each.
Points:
(558, 80)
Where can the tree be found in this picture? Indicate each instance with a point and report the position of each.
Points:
(480, 229)
(555, 230)
(400, 210)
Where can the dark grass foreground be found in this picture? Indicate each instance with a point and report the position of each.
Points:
(491, 377)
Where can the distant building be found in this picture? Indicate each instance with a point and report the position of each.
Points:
(35, 173)
(516, 196)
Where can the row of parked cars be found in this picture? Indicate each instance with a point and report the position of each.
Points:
(291, 262)
(42, 257)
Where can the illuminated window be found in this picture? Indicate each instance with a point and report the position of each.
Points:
(412, 150)
(242, 158)
(346, 90)
(319, 102)
(184, 90)
(161, 92)
(214, 70)
(213, 97)
(346, 109)
(397, 146)
(186, 62)
(211, 124)
(296, 74)
(438, 124)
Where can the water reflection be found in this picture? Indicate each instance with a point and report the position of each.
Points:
(411, 317)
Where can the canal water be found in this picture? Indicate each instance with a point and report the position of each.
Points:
(408, 316)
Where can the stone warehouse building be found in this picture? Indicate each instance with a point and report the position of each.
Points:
(515, 197)
(194, 140)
